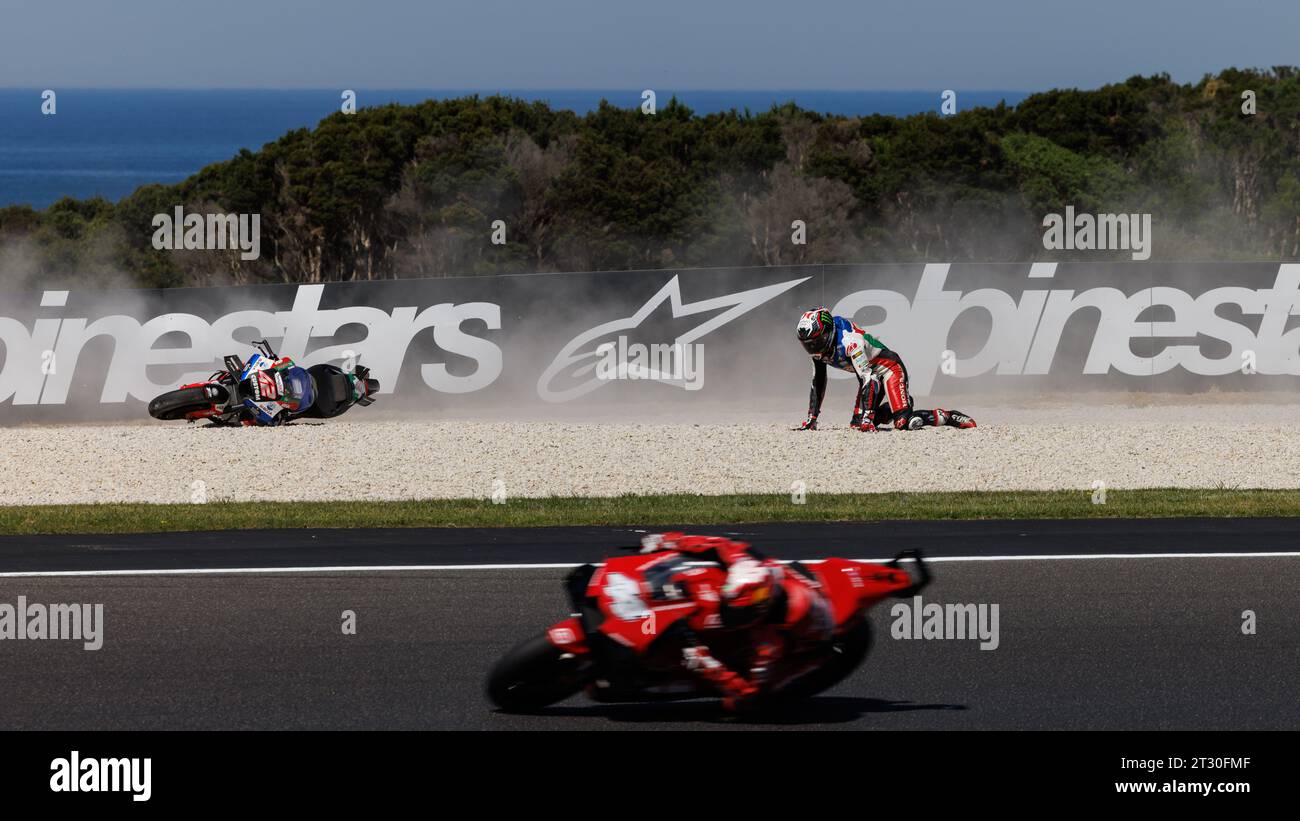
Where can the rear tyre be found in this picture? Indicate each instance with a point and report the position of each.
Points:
(176, 404)
(532, 675)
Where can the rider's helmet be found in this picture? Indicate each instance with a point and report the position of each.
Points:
(816, 331)
(750, 592)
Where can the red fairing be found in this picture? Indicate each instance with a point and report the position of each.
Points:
(853, 587)
(637, 610)
(569, 636)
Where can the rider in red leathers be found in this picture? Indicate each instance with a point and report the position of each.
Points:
(783, 611)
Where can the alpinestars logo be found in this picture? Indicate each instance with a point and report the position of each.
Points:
(584, 363)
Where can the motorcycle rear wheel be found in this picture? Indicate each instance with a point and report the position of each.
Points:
(176, 404)
(534, 674)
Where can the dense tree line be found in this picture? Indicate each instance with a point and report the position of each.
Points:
(399, 191)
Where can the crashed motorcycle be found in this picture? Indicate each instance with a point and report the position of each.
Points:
(267, 390)
(613, 646)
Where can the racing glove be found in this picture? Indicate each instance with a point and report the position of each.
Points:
(734, 688)
(866, 426)
(766, 654)
(809, 424)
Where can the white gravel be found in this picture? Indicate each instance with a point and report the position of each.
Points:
(1183, 446)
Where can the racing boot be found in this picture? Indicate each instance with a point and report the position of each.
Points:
(953, 418)
(909, 420)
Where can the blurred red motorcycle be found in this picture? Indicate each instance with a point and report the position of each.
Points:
(618, 647)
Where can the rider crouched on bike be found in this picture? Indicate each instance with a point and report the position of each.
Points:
(783, 613)
(883, 394)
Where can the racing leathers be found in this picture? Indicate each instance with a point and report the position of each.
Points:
(798, 621)
(883, 397)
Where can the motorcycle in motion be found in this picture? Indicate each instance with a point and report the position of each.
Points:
(267, 390)
(619, 645)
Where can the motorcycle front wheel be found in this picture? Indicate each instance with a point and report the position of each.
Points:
(534, 674)
(176, 404)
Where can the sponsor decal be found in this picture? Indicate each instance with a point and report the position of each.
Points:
(1026, 333)
(624, 596)
(389, 334)
(1207, 331)
(578, 360)
(268, 409)
(562, 635)
(264, 387)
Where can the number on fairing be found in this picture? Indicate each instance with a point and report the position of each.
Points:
(625, 597)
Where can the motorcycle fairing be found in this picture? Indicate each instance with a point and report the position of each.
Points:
(635, 612)
(627, 665)
(255, 363)
(265, 412)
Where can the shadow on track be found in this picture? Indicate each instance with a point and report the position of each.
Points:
(824, 710)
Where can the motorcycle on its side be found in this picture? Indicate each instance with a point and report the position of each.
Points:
(267, 390)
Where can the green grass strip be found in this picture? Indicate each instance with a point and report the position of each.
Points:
(645, 510)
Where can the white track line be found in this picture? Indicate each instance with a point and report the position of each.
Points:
(1065, 556)
(200, 571)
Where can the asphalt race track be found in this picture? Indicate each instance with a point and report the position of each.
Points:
(1102, 624)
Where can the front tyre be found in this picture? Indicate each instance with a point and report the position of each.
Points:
(534, 674)
(179, 403)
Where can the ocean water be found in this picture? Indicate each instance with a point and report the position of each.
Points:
(107, 143)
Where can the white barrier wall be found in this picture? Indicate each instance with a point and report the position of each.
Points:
(716, 334)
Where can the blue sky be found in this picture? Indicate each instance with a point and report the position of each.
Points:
(731, 44)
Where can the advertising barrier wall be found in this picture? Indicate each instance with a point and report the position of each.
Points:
(526, 342)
